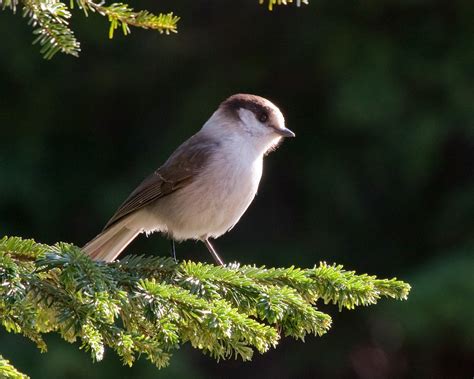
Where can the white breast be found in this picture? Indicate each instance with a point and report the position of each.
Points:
(216, 199)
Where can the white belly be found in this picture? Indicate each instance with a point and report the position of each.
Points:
(211, 204)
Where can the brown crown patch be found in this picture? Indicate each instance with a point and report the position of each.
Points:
(253, 103)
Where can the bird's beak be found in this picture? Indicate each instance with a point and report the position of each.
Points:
(285, 132)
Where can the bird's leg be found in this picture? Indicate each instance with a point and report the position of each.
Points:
(213, 252)
(173, 250)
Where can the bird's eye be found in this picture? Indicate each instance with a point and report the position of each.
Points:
(263, 117)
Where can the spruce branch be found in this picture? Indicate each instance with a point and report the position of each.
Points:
(7, 371)
(50, 20)
(11, 4)
(152, 305)
(122, 16)
(272, 3)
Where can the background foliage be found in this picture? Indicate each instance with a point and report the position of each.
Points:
(380, 177)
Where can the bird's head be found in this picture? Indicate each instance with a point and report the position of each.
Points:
(255, 119)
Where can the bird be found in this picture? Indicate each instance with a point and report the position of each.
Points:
(207, 183)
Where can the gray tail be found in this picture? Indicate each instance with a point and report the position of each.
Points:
(111, 242)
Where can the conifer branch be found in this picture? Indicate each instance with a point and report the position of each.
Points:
(50, 19)
(7, 371)
(152, 305)
(122, 16)
(272, 3)
(11, 4)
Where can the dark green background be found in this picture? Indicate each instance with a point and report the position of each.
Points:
(380, 177)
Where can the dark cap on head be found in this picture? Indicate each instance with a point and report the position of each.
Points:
(264, 111)
(256, 104)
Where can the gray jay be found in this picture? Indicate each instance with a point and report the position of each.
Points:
(205, 186)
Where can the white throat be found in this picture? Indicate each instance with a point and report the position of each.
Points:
(244, 138)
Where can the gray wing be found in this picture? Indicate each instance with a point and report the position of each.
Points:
(179, 170)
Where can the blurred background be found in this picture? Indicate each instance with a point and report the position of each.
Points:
(380, 177)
